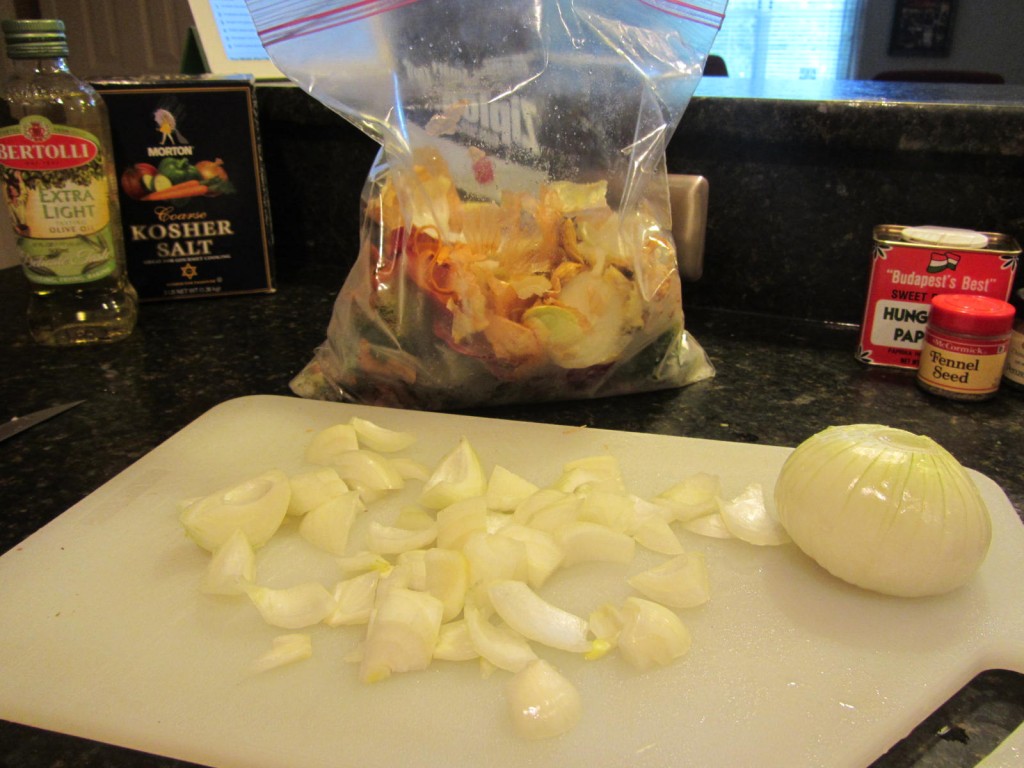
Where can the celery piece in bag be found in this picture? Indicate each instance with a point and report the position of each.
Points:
(516, 237)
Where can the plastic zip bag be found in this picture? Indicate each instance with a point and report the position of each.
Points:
(516, 232)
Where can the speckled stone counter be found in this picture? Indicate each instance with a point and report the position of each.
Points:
(780, 331)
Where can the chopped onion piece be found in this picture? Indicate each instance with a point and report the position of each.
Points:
(414, 563)
(492, 556)
(681, 582)
(606, 622)
(591, 473)
(543, 554)
(330, 443)
(535, 618)
(541, 702)
(446, 577)
(368, 469)
(295, 607)
(401, 635)
(256, 507)
(590, 542)
(657, 535)
(693, 497)
(500, 646)
(327, 527)
(311, 489)
(415, 518)
(390, 540)
(506, 490)
(651, 634)
(354, 600)
(530, 506)
(611, 509)
(231, 568)
(556, 514)
(285, 649)
(410, 469)
(458, 476)
(747, 517)
(378, 438)
(364, 561)
(460, 520)
(712, 526)
(454, 642)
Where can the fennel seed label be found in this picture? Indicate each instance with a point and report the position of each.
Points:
(965, 346)
(57, 196)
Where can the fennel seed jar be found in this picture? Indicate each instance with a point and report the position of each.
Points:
(965, 346)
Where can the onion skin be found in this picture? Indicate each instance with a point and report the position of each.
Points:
(884, 509)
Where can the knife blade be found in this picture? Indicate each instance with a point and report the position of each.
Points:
(21, 423)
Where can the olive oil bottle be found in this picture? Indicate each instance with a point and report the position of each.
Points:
(58, 179)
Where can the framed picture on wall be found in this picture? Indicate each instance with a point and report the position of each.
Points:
(922, 28)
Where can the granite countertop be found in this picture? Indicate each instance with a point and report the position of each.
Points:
(778, 381)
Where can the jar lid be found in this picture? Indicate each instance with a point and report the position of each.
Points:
(949, 236)
(972, 314)
(35, 38)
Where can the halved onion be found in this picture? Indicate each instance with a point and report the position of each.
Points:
(884, 509)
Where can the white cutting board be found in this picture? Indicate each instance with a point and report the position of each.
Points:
(105, 634)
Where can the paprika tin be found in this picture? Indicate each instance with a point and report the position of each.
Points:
(910, 266)
(965, 346)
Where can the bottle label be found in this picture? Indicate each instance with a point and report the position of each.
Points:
(970, 367)
(56, 190)
(1014, 370)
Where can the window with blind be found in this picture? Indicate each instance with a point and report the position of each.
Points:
(789, 39)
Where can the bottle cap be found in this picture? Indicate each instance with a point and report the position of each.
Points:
(35, 38)
(971, 314)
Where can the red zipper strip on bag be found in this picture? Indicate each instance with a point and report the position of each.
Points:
(688, 11)
(349, 13)
(335, 17)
